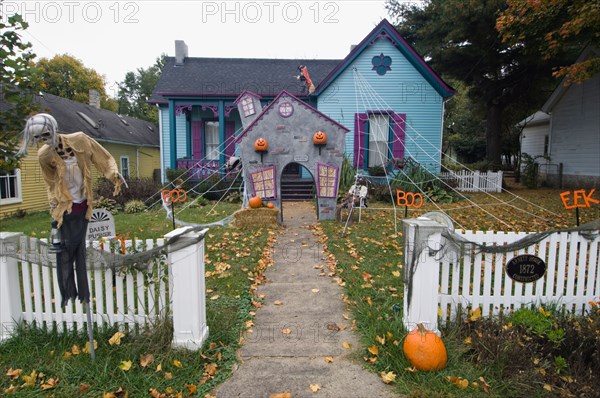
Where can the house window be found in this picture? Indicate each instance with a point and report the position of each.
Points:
(263, 182)
(248, 106)
(211, 140)
(10, 186)
(546, 144)
(125, 166)
(379, 133)
(327, 177)
(286, 109)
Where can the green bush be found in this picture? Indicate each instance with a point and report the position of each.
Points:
(110, 205)
(144, 189)
(134, 206)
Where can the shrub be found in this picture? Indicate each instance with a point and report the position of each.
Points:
(134, 206)
(109, 204)
(138, 189)
(200, 201)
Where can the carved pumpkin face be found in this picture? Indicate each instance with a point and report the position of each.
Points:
(261, 145)
(320, 138)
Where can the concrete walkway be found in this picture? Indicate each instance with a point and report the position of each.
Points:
(301, 324)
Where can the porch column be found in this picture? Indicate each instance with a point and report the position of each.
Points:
(172, 135)
(221, 133)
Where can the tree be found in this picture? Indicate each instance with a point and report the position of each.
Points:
(67, 77)
(18, 82)
(459, 39)
(549, 27)
(137, 88)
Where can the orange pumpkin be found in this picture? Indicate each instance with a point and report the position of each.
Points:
(270, 205)
(425, 350)
(261, 145)
(320, 138)
(255, 202)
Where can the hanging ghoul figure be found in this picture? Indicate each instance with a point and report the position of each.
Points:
(65, 161)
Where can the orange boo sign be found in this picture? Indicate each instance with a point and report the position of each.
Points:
(409, 199)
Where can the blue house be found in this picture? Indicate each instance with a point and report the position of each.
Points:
(383, 92)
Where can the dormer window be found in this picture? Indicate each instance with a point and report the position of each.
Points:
(248, 106)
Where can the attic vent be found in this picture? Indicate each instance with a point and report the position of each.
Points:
(123, 120)
(149, 127)
(88, 119)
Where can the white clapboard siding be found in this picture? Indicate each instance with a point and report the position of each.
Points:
(474, 181)
(571, 281)
(130, 298)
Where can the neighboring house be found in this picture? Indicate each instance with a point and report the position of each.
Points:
(134, 144)
(567, 132)
(383, 91)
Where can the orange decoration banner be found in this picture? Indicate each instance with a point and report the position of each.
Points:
(580, 198)
(409, 199)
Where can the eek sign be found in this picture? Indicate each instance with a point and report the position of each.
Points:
(580, 199)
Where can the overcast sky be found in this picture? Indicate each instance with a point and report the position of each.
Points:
(114, 37)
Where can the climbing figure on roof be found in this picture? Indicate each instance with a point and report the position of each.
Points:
(305, 77)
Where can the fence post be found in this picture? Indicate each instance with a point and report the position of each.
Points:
(422, 284)
(10, 293)
(187, 290)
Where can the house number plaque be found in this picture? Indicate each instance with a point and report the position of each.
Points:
(525, 268)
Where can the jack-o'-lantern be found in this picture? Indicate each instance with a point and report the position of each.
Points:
(320, 138)
(261, 145)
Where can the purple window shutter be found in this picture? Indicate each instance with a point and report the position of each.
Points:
(197, 140)
(360, 120)
(398, 139)
(229, 141)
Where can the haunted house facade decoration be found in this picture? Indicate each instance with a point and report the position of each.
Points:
(283, 134)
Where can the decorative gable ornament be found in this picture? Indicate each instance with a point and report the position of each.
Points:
(381, 64)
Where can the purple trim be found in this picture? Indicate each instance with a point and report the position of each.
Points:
(266, 109)
(197, 147)
(383, 26)
(360, 120)
(228, 109)
(274, 181)
(250, 93)
(178, 95)
(384, 35)
(335, 186)
(179, 109)
(398, 139)
(230, 145)
(213, 108)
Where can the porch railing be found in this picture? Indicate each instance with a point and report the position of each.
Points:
(199, 168)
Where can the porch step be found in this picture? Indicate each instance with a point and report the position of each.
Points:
(297, 189)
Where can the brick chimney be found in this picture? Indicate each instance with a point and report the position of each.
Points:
(181, 52)
(94, 98)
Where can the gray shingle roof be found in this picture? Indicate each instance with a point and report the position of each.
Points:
(206, 77)
(110, 126)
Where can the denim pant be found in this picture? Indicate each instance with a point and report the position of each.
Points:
(73, 231)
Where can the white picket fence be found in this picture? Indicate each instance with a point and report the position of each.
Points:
(474, 181)
(443, 286)
(131, 299)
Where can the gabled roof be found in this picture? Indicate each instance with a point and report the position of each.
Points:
(266, 110)
(534, 120)
(228, 77)
(250, 93)
(109, 126)
(590, 51)
(385, 30)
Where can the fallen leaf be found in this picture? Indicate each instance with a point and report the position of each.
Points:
(459, 381)
(14, 373)
(475, 314)
(192, 388)
(315, 291)
(215, 297)
(329, 359)
(86, 349)
(125, 365)
(177, 363)
(468, 340)
(314, 387)
(83, 388)
(75, 350)
(396, 273)
(168, 375)
(374, 350)
(116, 338)
(346, 345)
(286, 331)
(366, 276)
(159, 367)
(380, 340)
(49, 384)
(278, 302)
(281, 395)
(210, 369)
(10, 389)
(146, 360)
(547, 387)
(411, 369)
(388, 377)
(30, 380)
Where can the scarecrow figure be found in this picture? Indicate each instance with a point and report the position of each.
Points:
(65, 161)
